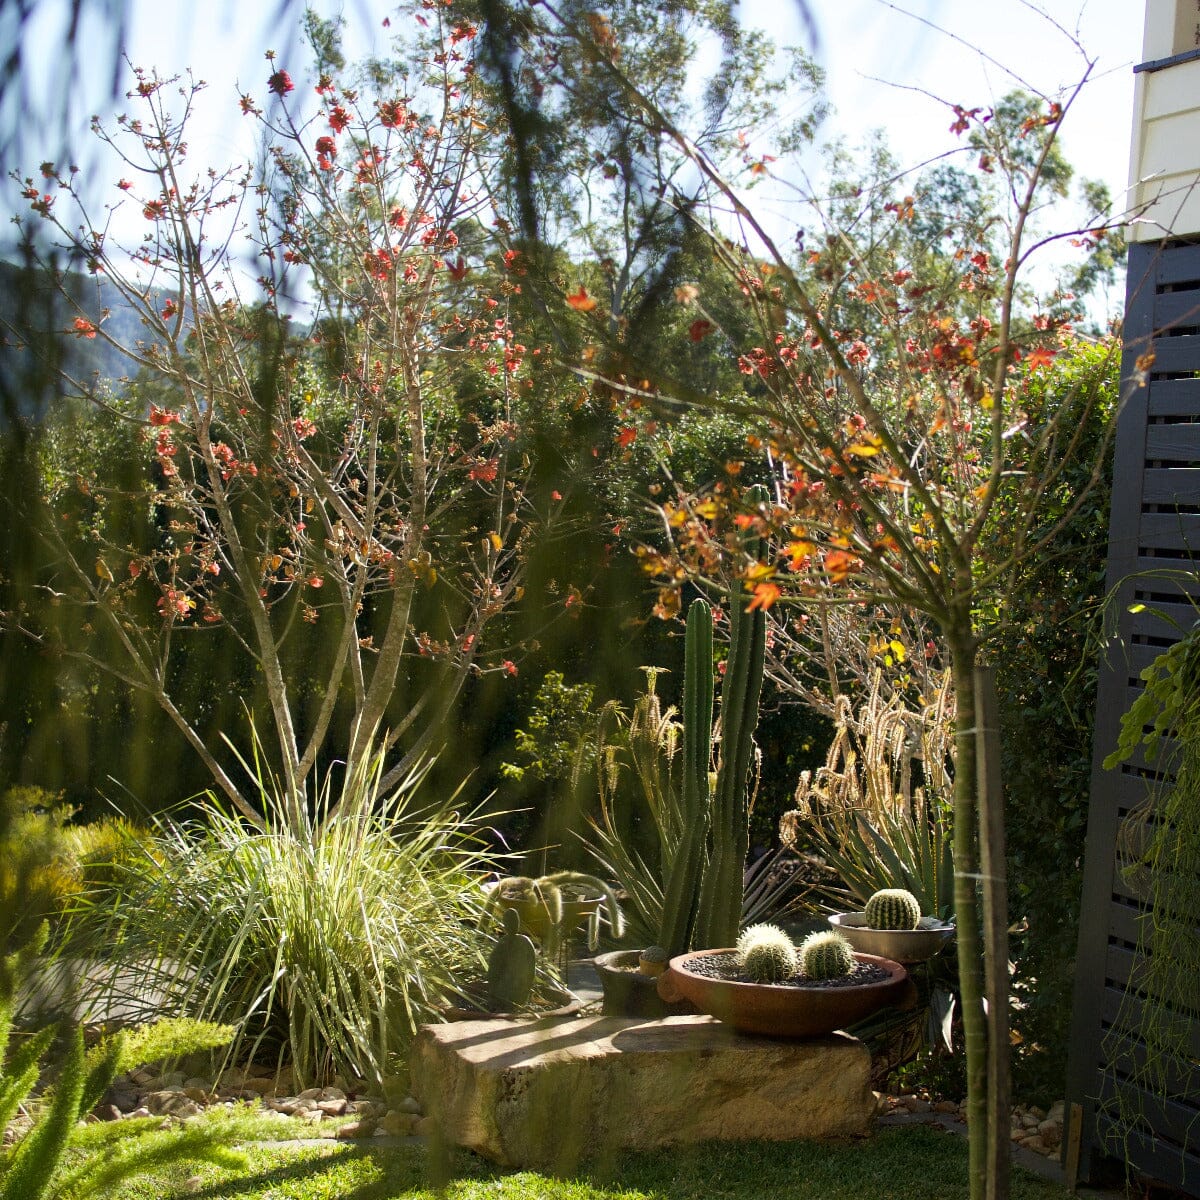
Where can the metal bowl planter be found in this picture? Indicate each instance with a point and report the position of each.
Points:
(785, 1010)
(902, 945)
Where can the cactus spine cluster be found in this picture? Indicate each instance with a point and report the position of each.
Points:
(893, 908)
(826, 956)
(653, 961)
(766, 954)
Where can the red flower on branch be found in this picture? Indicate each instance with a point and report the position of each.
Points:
(84, 328)
(281, 83)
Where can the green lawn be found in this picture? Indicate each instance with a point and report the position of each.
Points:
(912, 1163)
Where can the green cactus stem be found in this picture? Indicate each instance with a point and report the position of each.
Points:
(721, 898)
(893, 908)
(511, 966)
(826, 955)
(682, 891)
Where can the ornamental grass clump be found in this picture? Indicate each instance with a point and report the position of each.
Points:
(766, 954)
(327, 945)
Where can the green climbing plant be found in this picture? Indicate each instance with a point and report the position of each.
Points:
(1159, 845)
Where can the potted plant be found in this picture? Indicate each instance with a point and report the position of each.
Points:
(701, 816)
(514, 987)
(891, 925)
(552, 907)
(766, 985)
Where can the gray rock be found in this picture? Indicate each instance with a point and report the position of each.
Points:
(169, 1103)
(547, 1093)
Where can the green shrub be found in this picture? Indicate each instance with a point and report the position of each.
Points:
(330, 945)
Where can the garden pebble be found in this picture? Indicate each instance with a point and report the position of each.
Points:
(398, 1124)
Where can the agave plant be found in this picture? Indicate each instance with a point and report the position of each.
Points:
(328, 943)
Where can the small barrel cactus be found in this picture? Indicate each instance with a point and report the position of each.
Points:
(766, 954)
(653, 960)
(826, 956)
(893, 908)
(511, 966)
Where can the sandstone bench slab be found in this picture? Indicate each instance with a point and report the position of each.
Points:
(547, 1094)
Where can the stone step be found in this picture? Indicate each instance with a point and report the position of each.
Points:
(548, 1094)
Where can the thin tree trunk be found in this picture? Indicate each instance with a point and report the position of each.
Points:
(966, 906)
(995, 930)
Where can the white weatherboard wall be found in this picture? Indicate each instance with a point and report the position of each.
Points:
(1165, 161)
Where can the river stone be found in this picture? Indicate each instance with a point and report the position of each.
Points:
(547, 1094)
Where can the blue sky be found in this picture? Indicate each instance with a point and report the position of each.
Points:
(887, 63)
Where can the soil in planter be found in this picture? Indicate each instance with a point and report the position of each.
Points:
(727, 968)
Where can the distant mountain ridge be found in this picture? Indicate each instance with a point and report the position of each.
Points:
(38, 340)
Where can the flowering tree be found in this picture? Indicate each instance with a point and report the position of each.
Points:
(334, 496)
(887, 402)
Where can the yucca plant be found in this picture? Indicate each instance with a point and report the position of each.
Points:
(328, 943)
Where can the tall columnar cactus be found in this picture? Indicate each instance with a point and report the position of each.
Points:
(893, 908)
(681, 896)
(721, 897)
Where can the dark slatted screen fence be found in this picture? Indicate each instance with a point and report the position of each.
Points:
(1155, 525)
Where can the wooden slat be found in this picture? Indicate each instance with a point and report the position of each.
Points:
(1177, 353)
(1170, 485)
(1170, 531)
(1176, 264)
(1173, 443)
(1126, 1013)
(1176, 308)
(1165, 560)
(1173, 1122)
(1157, 1159)
(1173, 398)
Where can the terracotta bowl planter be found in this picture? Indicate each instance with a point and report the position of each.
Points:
(902, 945)
(784, 1011)
(629, 993)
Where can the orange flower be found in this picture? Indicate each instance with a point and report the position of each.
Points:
(765, 594)
(581, 301)
(839, 565)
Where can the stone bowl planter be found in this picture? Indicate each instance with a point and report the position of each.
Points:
(785, 1010)
(629, 993)
(901, 945)
(471, 1005)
